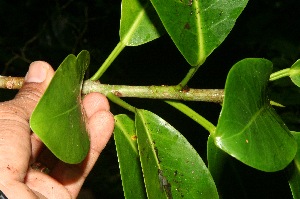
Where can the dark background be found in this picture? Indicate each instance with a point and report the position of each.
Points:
(50, 30)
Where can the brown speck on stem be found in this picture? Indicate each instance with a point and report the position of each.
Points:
(185, 89)
(118, 94)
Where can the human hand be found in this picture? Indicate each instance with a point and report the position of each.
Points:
(20, 147)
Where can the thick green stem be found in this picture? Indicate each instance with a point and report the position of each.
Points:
(108, 61)
(280, 74)
(193, 115)
(155, 92)
(120, 102)
(187, 78)
(151, 92)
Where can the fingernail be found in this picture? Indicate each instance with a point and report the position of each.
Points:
(37, 72)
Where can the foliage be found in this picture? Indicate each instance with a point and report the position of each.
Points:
(62, 127)
(155, 159)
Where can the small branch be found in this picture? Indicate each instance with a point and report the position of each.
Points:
(11, 82)
(155, 92)
(151, 92)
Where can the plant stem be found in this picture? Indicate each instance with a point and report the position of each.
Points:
(280, 74)
(108, 61)
(187, 78)
(112, 97)
(155, 92)
(193, 115)
(11, 82)
(151, 92)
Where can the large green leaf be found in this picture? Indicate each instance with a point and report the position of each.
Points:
(197, 27)
(171, 166)
(139, 23)
(294, 180)
(129, 163)
(58, 119)
(223, 168)
(249, 129)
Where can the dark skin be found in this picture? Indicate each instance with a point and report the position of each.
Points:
(20, 147)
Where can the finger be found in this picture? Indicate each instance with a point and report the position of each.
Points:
(94, 102)
(23, 191)
(36, 147)
(46, 186)
(15, 147)
(100, 126)
(36, 81)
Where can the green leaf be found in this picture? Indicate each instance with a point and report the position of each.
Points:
(294, 180)
(249, 128)
(127, 150)
(222, 167)
(197, 27)
(295, 73)
(58, 119)
(139, 23)
(171, 166)
(216, 160)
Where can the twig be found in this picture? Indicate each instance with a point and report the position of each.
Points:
(150, 92)
(11, 82)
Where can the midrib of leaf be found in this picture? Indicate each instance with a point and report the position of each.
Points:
(200, 34)
(135, 25)
(253, 119)
(63, 113)
(150, 141)
(123, 129)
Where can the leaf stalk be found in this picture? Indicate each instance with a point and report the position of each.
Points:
(112, 97)
(193, 115)
(187, 78)
(280, 74)
(117, 50)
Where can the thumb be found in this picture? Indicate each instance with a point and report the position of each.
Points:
(37, 80)
(16, 147)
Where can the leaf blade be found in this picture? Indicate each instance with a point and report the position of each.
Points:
(139, 23)
(171, 166)
(197, 27)
(294, 180)
(58, 119)
(249, 128)
(128, 156)
(295, 73)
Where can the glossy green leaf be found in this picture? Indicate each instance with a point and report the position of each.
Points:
(216, 159)
(197, 27)
(249, 128)
(294, 180)
(171, 166)
(58, 119)
(222, 167)
(128, 156)
(139, 23)
(295, 73)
